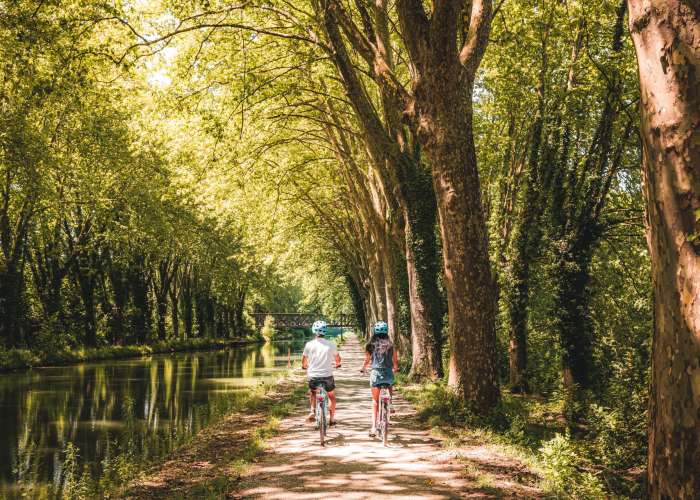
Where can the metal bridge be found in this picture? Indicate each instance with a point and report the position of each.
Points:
(301, 320)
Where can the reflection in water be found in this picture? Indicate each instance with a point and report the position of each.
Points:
(108, 417)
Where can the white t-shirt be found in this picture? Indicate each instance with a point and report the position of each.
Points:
(321, 355)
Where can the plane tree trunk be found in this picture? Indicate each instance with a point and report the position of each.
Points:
(439, 108)
(666, 36)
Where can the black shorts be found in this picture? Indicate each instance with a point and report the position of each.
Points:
(328, 383)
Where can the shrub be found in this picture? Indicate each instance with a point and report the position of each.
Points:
(17, 358)
(562, 474)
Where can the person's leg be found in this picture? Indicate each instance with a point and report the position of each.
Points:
(312, 402)
(375, 407)
(331, 396)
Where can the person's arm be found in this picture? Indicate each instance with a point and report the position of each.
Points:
(304, 361)
(337, 359)
(396, 361)
(366, 363)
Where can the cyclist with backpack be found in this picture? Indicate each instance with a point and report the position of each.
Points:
(383, 361)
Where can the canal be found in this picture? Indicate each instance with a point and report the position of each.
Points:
(59, 425)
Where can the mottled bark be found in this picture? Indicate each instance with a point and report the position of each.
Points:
(666, 36)
(440, 111)
(470, 289)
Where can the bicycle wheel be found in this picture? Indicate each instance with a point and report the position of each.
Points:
(385, 422)
(322, 422)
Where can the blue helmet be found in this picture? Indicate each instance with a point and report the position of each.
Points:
(380, 328)
(319, 327)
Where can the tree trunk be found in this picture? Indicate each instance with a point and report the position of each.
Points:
(666, 36)
(470, 298)
(426, 311)
(419, 212)
(120, 290)
(11, 304)
(141, 315)
(573, 325)
(358, 301)
(161, 311)
(86, 285)
(525, 245)
(174, 310)
(390, 292)
(187, 305)
(200, 307)
(439, 109)
(378, 291)
(237, 315)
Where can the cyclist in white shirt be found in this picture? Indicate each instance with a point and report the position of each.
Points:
(319, 358)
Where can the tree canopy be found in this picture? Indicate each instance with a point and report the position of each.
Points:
(466, 171)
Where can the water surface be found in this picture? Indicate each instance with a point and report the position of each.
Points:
(62, 423)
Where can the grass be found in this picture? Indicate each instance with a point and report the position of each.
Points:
(17, 359)
(483, 480)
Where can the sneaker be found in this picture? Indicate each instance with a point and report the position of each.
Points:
(332, 423)
(311, 417)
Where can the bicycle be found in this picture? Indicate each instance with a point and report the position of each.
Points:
(322, 412)
(384, 414)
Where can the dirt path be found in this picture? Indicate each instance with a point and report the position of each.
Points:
(354, 466)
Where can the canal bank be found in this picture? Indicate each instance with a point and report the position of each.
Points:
(215, 460)
(21, 359)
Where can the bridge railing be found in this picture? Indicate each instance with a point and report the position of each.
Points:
(303, 320)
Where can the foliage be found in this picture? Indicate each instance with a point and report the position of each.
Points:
(532, 429)
(268, 330)
(562, 474)
(168, 167)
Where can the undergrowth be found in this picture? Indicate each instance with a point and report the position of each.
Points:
(532, 430)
